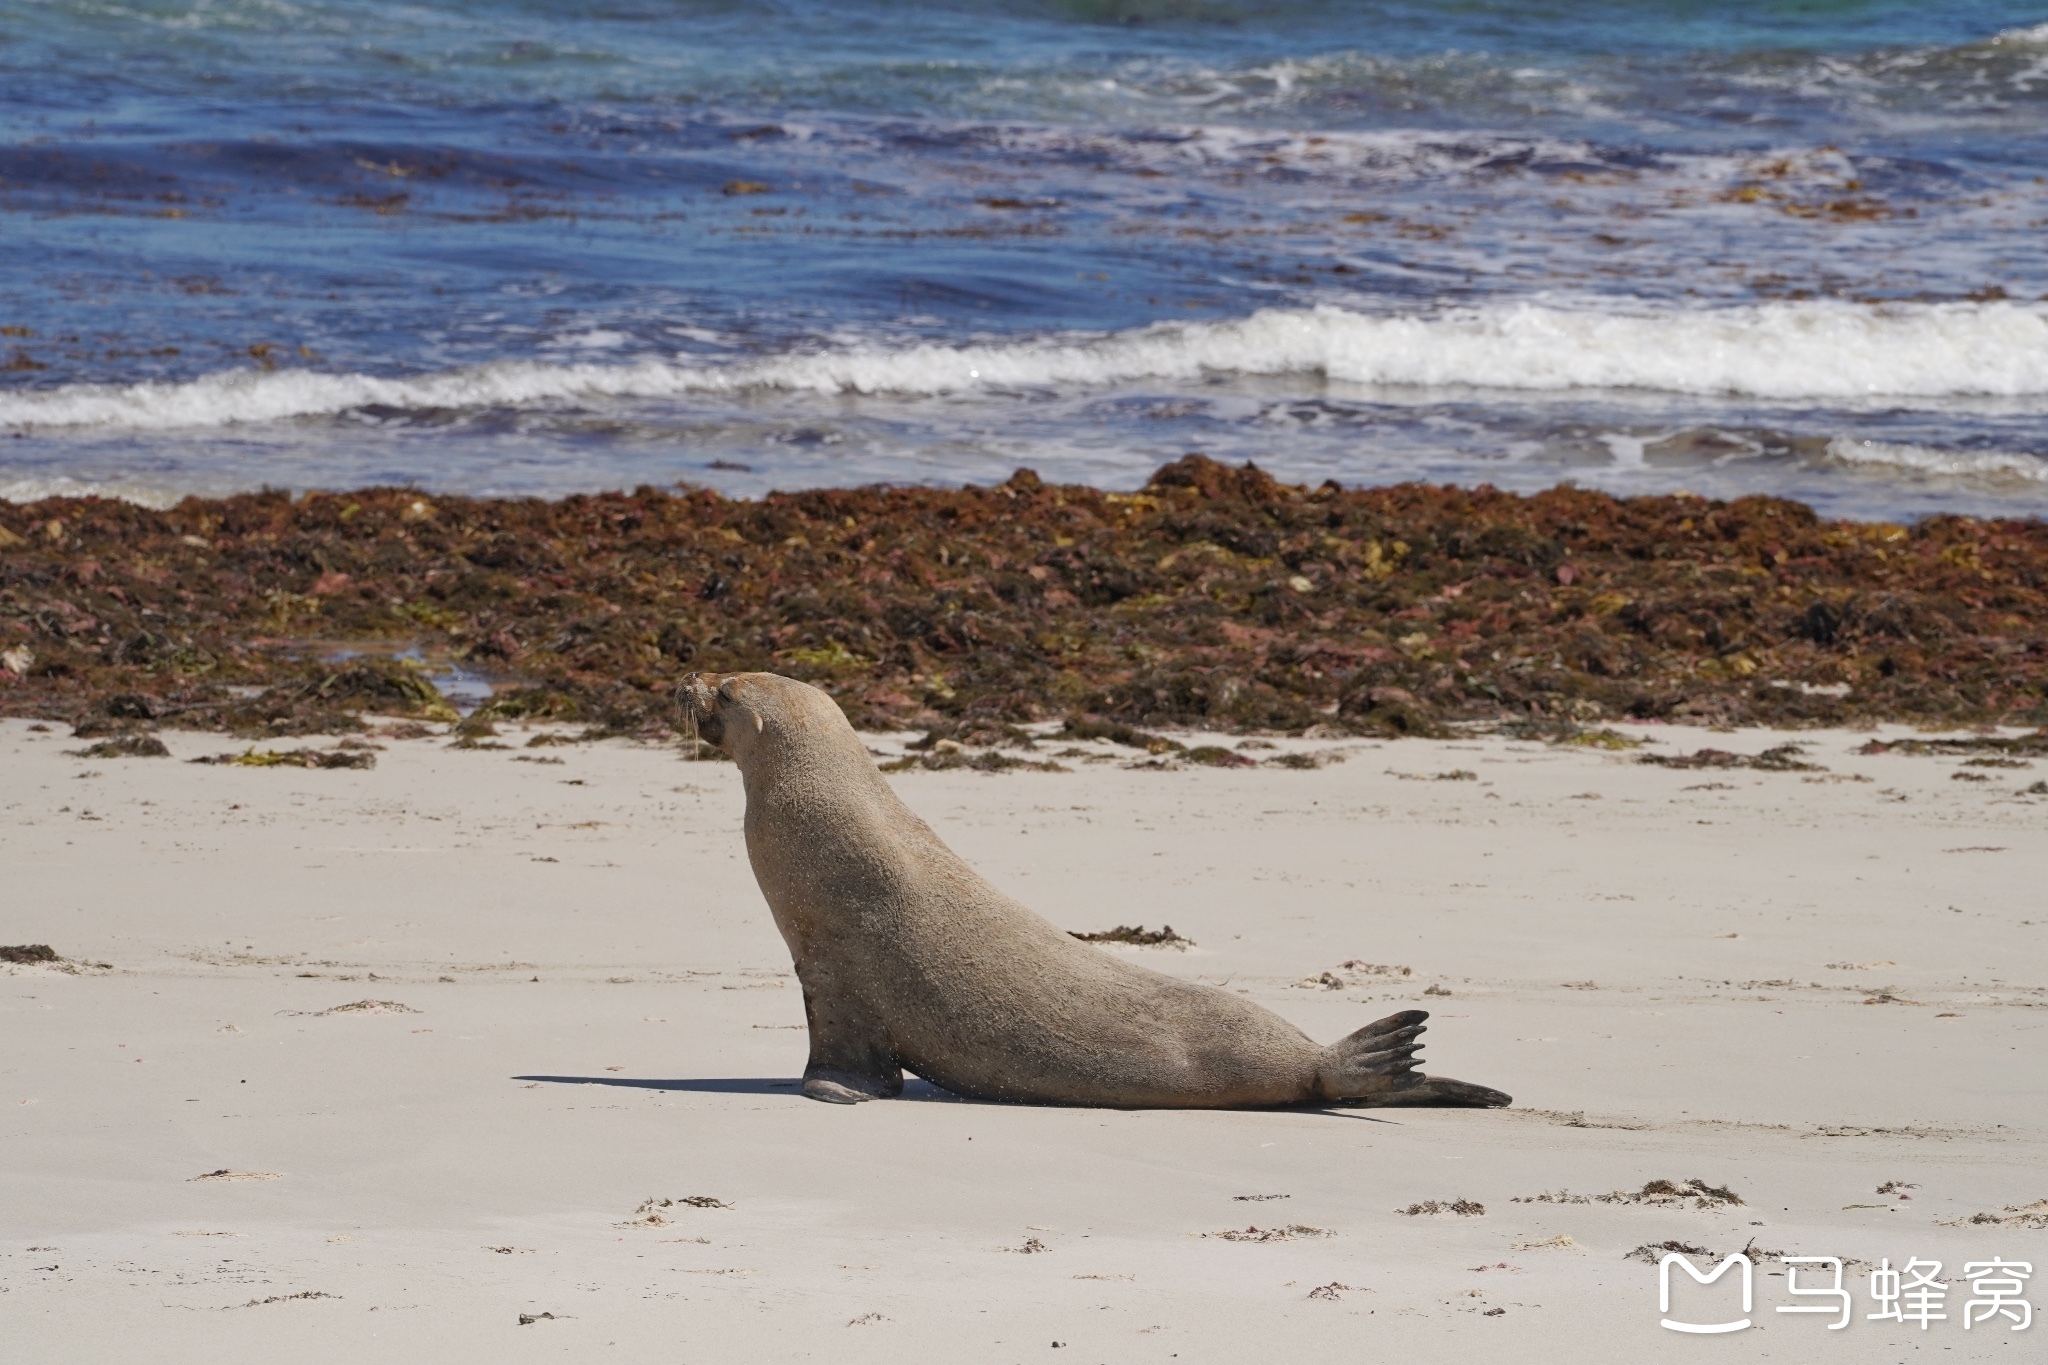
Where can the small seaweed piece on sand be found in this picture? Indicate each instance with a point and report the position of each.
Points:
(1464, 1208)
(2033, 1216)
(1325, 981)
(1562, 730)
(29, 952)
(1784, 758)
(294, 758)
(476, 732)
(1216, 756)
(649, 1214)
(1660, 1192)
(2032, 745)
(986, 761)
(1321, 758)
(123, 746)
(976, 734)
(1654, 1252)
(1292, 1232)
(1094, 727)
(1138, 934)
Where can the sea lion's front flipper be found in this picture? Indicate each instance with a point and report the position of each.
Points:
(1375, 1067)
(835, 1086)
(851, 1059)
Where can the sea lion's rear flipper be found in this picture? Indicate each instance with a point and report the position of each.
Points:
(1439, 1092)
(851, 1059)
(1375, 1067)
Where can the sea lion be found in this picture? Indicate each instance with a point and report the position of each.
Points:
(908, 959)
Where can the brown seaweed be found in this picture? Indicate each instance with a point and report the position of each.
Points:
(1214, 597)
(1784, 758)
(1137, 934)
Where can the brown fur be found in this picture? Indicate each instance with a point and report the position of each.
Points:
(909, 959)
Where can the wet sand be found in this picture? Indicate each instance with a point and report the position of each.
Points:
(585, 1007)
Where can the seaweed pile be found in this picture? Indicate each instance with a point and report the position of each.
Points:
(1213, 597)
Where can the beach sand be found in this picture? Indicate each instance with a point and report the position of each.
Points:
(207, 1154)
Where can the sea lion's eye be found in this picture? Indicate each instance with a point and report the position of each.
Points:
(725, 692)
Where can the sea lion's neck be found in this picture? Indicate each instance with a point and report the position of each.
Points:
(828, 838)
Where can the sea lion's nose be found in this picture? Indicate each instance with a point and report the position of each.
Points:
(697, 695)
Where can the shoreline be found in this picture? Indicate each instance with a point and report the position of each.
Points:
(1213, 598)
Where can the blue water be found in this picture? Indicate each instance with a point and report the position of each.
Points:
(520, 248)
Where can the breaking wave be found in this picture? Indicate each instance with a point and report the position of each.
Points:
(1778, 351)
(1995, 466)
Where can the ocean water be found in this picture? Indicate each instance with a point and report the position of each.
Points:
(506, 247)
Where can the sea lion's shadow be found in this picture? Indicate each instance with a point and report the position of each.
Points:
(914, 1088)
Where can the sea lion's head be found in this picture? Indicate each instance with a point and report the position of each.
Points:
(735, 711)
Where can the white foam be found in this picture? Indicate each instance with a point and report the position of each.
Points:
(1783, 351)
(2034, 36)
(125, 490)
(1996, 466)
(1394, 156)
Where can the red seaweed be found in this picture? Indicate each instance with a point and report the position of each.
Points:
(1214, 597)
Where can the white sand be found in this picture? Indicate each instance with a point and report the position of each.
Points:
(429, 1190)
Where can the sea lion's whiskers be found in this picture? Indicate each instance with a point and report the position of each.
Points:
(690, 717)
